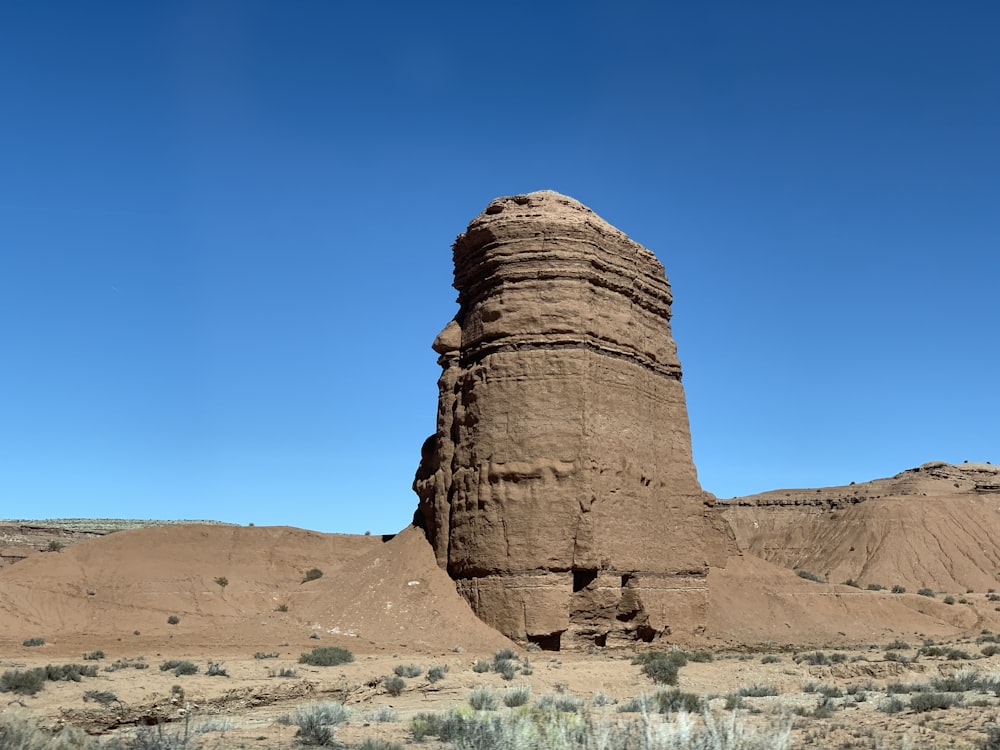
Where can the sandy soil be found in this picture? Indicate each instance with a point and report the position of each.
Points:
(246, 708)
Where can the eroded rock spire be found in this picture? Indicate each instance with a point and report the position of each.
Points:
(559, 489)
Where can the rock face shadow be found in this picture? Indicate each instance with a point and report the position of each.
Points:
(559, 489)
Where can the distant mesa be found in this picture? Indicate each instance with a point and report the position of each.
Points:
(21, 538)
(559, 490)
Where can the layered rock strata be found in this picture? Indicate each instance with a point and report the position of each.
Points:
(559, 489)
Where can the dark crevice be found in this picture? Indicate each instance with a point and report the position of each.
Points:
(547, 642)
(583, 578)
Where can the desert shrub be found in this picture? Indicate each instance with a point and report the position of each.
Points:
(505, 654)
(506, 668)
(505, 663)
(957, 654)
(892, 705)
(852, 582)
(555, 730)
(949, 600)
(268, 655)
(158, 738)
(838, 657)
(662, 666)
(921, 702)
(100, 696)
(30, 681)
(699, 656)
(377, 743)
(382, 715)
(567, 703)
(991, 650)
(482, 698)
(281, 608)
(393, 684)
(897, 589)
(663, 672)
(20, 733)
(139, 663)
(434, 674)
(959, 682)
(317, 722)
(216, 669)
(446, 727)
(68, 672)
(312, 574)
(860, 688)
(830, 691)
(560, 703)
(33, 642)
(815, 658)
(734, 701)
(992, 739)
(993, 597)
(671, 701)
(875, 587)
(926, 592)
(22, 681)
(636, 705)
(757, 691)
(516, 696)
(408, 670)
(810, 576)
(173, 620)
(825, 708)
(533, 647)
(283, 672)
(897, 645)
(898, 688)
(771, 659)
(481, 666)
(600, 698)
(327, 656)
(898, 657)
(93, 656)
(179, 667)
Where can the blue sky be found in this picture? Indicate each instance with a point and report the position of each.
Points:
(225, 234)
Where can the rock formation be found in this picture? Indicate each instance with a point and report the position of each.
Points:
(559, 490)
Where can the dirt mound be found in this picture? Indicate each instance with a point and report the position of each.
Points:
(931, 527)
(397, 594)
(126, 585)
(753, 601)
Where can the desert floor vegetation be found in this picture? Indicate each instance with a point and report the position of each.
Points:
(944, 694)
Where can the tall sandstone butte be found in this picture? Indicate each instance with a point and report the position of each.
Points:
(559, 490)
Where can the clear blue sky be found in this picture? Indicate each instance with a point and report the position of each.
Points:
(225, 234)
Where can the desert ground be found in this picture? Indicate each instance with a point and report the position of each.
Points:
(861, 616)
